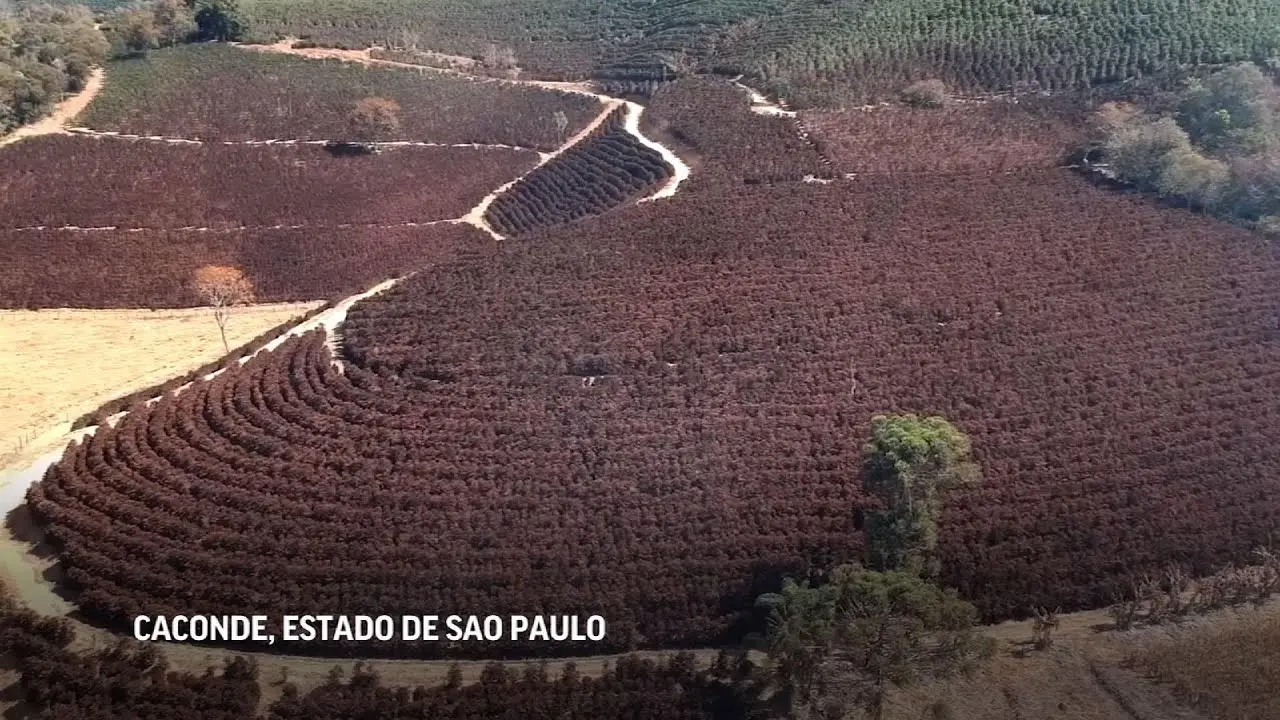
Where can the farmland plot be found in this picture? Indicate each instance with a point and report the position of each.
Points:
(213, 92)
(154, 268)
(140, 184)
(654, 414)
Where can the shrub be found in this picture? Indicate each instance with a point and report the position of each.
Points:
(1137, 150)
(926, 94)
(1187, 175)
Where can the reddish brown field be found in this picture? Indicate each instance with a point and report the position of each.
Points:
(139, 184)
(604, 171)
(996, 136)
(214, 92)
(68, 268)
(654, 414)
(712, 122)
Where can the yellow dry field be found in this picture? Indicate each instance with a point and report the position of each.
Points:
(56, 365)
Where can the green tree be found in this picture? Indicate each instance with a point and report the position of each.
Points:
(1187, 175)
(844, 644)
(134, 30)
(174, 22)
(218, 20)
(1234, 109)
(1136, 150)
(908, 463)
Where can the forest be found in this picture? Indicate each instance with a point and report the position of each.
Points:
(44, 52)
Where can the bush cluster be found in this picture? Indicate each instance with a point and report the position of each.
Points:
(1219, 150)
(45, 51)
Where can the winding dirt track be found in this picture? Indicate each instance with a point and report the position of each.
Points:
(66, 111)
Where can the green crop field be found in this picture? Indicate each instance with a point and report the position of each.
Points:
(813, 51)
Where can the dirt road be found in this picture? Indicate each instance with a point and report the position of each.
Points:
(62, 115)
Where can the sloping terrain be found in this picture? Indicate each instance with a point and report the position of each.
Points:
(214, 92)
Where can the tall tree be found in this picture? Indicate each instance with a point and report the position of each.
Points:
(908, 463)
(134, 29)
(223, 287)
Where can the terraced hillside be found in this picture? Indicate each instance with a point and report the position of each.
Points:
(808, 51)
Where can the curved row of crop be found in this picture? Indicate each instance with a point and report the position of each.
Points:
(604, 171)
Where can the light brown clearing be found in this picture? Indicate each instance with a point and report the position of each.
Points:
(1228, 666)
(59, 364)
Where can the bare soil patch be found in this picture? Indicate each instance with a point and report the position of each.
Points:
(58, 364)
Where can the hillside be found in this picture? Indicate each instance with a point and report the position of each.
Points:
(799, 401)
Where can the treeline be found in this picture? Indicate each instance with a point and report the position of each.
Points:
(45, 51)
(138, 28)
(1215, 145)
(132, 680)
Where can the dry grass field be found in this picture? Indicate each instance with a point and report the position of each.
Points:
(1228, 667)
(58, 364)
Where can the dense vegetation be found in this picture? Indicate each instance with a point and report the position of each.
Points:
(810, 51)
(1215, 146)
(712, 121)
(662, 409)
(602, 172)
(153, 268)
(214, 92)
(44, 52)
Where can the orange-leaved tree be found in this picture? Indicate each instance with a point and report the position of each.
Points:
(374, 119)
(223, 287)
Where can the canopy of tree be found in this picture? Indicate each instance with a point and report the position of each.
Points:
(1218, 149)
(908, 462)
(844, 643)
(44, 52)
(135, 29)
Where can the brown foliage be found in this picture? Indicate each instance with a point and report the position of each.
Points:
(71, 268)
(142, 184)
(995, 136)
(1104, 355)
(374, 119)
(713, 120)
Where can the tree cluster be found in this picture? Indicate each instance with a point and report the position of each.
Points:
(840, 646)
(45, 51)
(601, 172)
(1219, 149)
